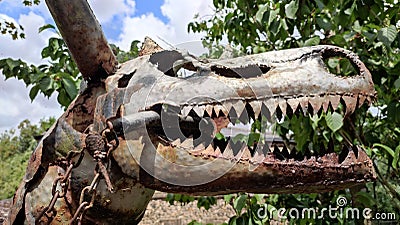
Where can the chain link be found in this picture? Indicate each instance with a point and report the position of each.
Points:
(101, 155)
(49, 211)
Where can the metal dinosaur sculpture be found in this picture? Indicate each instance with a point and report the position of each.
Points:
(140, 127)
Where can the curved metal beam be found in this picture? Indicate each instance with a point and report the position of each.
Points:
(84, 37)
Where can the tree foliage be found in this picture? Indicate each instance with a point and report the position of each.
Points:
(16, 146)
(59, 74)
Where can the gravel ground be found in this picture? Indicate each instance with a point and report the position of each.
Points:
(161, 212)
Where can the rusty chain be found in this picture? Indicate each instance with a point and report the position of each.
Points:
(101, 155)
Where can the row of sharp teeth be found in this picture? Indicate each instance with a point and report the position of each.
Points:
(285, 105)
(263, 154)
(239, 150)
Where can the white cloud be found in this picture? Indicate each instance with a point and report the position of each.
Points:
(179, 13)
(14, 96)
(29, 48)
(106, 10)
(16, 106)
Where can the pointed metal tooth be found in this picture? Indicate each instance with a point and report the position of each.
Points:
(227, 105)
(335, 100)
(325, 103)
(316, 103)
(199, 110)
(239, 107)
(209, 109)
(217, 152)
(361, 100)
(177, 142)
(258, 155)
(304, 104)
(220, 108)
(350, 104)
(187, 143)
(209, 151)
(244, 118)
(368, 99)
(228, 153)
(271, 105)
(268, 108)
(283, 106)
(185, 110)
(293, 103)
(199, 147)
(256, 106)
(246, 155)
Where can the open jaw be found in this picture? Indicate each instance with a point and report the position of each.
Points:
(187, 136)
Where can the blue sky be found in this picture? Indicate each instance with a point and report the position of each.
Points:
(122, 21)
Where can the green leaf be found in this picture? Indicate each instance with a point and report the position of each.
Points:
(312, 41)
(324, 23)
(45, 27)
(365, 198)
(338, 40)
(387, 35)
(259, 197)
(272, 16)
(387, 149)
(333, 62)
(397, 83)
(219, 136)
(70, 87)
(12, 63)
(45, 83)
(63, 98)
(357, 27)
(395, 162)
(240, 137)
(334, 121)
(291, 9)
(239, 203)
(228, 198)
(33, 92)
(45, 52)
(253, 138)
(260, 13)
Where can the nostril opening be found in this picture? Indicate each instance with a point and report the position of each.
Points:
(248, 71)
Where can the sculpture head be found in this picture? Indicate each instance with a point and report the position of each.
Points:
(168, 121)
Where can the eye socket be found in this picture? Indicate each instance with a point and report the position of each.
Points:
(172, 64)
(124, 80)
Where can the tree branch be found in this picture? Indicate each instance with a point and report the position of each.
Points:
(84, 37)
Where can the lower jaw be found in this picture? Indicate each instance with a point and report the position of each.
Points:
(270, 175)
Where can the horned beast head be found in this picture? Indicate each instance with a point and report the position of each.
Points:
(170, 122)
